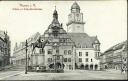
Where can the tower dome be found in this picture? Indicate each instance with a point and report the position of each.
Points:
(75, 6)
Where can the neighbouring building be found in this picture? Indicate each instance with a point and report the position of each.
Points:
(19, 50)
(102, 58)
(70, 49)
(4, 49)
(87, 47)
(115, 57)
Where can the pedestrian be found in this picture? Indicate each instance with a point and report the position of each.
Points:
(37, 68)
(124, 70)
(121, 70)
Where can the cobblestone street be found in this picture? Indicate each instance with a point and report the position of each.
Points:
(68, 75)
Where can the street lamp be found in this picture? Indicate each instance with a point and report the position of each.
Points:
(26, 57)
(54, 56)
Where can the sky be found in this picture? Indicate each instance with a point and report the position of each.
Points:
(107, 19)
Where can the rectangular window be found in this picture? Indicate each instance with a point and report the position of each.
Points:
(57, 51)
(91, 60)
(60, 40)
(58, 57)
(80, 59)
(86, 53)
(69, 59)
(64, 40)
(65, 52)
(65, 59)
(70, 67)
(49, 59)
(41, 51)
(98, 54)
(95, 54)
(86, 59)
(49, 51)
(80, 53)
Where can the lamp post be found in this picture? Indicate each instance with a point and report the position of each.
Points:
(26, 57)
(55, 45)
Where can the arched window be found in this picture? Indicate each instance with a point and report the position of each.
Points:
(65, 52)
(69, 52)
(69, 59)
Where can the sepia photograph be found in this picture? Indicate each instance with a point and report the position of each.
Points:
(63, 40)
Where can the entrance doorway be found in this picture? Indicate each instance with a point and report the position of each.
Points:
(91, 67)
(86, 67)
(82, 66)
(96, 67)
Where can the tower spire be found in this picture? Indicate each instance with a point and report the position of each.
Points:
(55, 14)
(55, 7)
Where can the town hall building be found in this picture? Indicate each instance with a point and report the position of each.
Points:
(87, 47)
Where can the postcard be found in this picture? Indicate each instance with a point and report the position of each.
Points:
(63, 40)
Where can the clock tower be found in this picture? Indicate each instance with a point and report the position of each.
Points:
(75, 20)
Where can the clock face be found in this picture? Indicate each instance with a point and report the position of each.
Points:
(77, 15)
(42, 40)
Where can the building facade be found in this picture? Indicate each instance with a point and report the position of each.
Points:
(4, 49)
(116, 57)
(59, 49)
(19, 50)
(87, 47)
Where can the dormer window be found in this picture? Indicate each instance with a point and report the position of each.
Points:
(96, 41)
(79, 46)
(83, 46)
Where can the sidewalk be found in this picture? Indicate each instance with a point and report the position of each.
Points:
(113, 70)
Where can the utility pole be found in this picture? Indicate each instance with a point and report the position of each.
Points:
(26, 57)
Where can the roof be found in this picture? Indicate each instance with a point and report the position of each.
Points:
(54, 22)
(83, 39)
(118, 46)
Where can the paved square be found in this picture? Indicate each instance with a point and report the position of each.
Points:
(68, 75)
